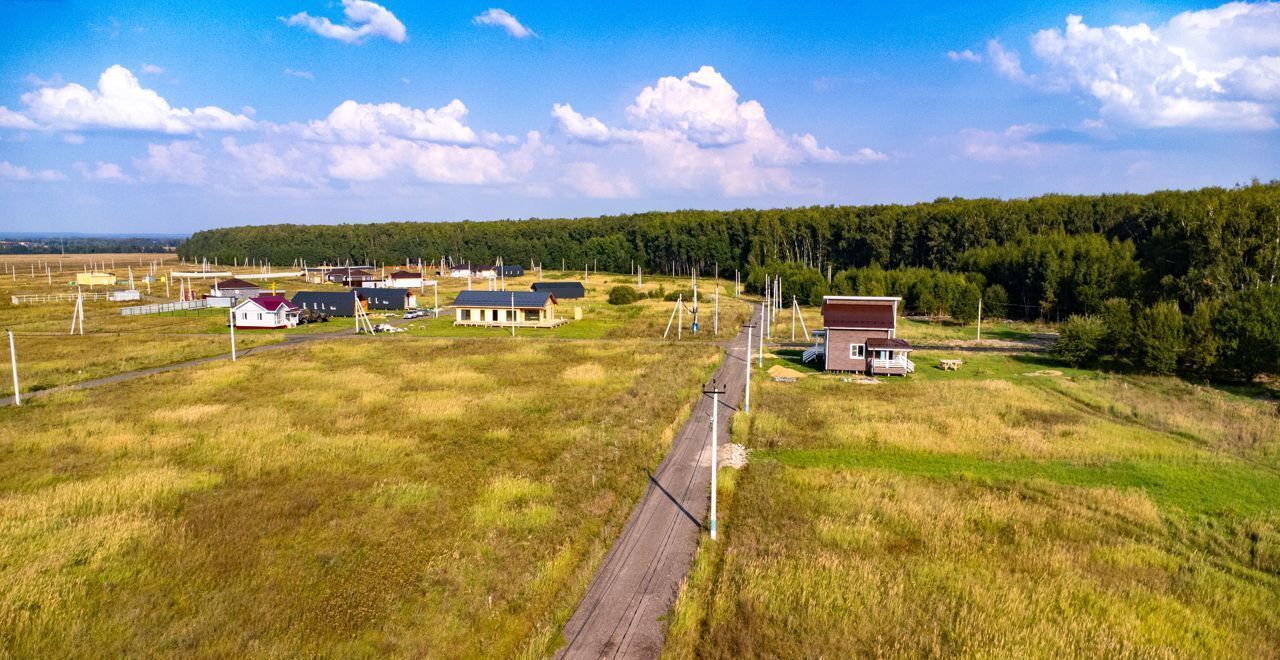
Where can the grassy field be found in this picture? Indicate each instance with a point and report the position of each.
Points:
(1015, 508)
(395, 495)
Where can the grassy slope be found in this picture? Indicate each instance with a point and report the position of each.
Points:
(396, 496)
(1004, 510)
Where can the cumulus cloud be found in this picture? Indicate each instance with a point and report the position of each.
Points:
(588, 179)
(19, 173)
(305, 75)
(965, 55)
(364, 20)
(373, 122)
(694, 132)
(152, 70)
(11, 119)
(500, 18)
(120, 102)
(177, 162)
(1215, 68)
(1016, 143)
(103, 171)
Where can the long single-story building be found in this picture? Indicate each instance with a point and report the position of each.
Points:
(235, 288)
(333, 303)
(388, 298)
(515, 270)
(265, 312)
(531, 309)
(860, 336)
(561, 290)
(95, 278)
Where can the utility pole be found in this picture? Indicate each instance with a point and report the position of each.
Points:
(746, 407)
(716, 323)
(762, 329)
(13, 362)
(231, 313)
(979, 319)
(715, 440)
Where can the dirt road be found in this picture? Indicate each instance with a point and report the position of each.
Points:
(636, 584)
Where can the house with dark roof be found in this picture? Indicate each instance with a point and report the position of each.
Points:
(860, 336)
(561, 290)
(265, 312)
(403, 279)
(515, 270)
(333, 303)
(505, 309)
(353, 277)
(381, 298)
(235, 288)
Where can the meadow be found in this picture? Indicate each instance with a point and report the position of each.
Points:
(1016, 508)
(391, 496)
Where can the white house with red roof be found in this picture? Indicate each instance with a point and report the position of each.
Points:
(265, 312)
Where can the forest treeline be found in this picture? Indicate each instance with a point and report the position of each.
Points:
(1050, 256)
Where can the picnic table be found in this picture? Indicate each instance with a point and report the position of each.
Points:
(950, 365)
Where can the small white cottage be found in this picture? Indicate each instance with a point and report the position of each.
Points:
(265, 312)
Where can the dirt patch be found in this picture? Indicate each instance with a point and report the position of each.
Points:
(861, 380)
(1043, 372)
(779, 371)
(735, 456)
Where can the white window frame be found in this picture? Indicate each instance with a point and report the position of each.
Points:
(860, 354)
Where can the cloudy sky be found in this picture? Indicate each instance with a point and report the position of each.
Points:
(159, 117)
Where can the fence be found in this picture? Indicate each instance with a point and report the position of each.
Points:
(160, 308)
(29, 298)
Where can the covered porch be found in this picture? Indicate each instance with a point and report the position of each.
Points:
(889, 357)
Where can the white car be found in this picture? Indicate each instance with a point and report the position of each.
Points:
(415, 314)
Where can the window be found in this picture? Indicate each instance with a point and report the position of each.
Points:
(531, 315)
(259, 316)
(857, 351)
(464, 315)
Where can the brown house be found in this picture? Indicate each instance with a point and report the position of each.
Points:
(860, 336)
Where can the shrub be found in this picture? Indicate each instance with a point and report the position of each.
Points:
(623, 295)
(965, 306)
(1200, 353)
(1158, 338)
(1080, 340)
(1117, 316)
(1249, 327)
(676, 294)
(995, 302)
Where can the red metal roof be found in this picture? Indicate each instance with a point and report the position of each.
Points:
(876, 314)
(404, 275)
(237, 283)
(273, 303)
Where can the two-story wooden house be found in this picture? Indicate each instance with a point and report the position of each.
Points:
(860, 336)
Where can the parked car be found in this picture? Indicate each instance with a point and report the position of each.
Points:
(414, 314)
(312, 316)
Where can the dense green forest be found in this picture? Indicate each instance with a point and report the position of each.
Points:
(1053, 256)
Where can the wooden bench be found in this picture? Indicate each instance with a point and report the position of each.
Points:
(950, 365)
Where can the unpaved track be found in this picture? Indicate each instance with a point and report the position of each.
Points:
(638, 581)
(290, 340)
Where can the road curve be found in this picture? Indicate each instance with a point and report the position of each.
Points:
(619, 617)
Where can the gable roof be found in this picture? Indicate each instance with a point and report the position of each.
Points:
(561, 290)
(503, 299)
(268, 303)
(237, 283)
(404, 275)
(891, 343)
(868, 312)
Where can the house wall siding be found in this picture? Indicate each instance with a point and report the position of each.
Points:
(838, 342)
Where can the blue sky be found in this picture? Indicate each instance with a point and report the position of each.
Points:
(163, 117)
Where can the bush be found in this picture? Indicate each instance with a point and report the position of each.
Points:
(1117, 316)
(658, 293)
(995, 302)
(1249, 327)
(672, 296)
(1200, 353)
(623, 295)
(1158, 339)
(1080, 340)
(965, 306)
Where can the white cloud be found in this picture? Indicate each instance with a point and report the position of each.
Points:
(121, 103)
(694, 134)
(1015, 143)
(305, 75)
(364, 20)
(500, 18)
(1215, 68)
(73, 138)
(19, 173)
(965, 55)
(152, 70)
(585, 129)
(588, 179)
(372, 122)
(1006, 62)
(177, 162)
(103, 171)
(11, 119)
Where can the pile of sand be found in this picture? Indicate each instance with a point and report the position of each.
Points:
(779, 371)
